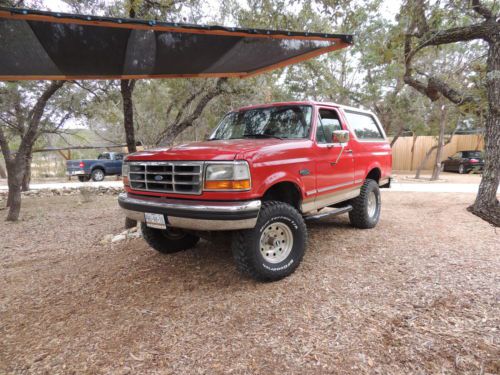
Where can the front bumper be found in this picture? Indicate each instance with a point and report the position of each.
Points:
(193, 214)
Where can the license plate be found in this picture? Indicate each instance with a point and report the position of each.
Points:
(155, 220)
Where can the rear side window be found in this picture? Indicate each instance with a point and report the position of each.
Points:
(364, 126)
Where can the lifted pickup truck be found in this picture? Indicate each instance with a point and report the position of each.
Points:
(263, 173)
(107, 164)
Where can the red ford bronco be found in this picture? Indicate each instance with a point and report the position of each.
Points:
(262, 174)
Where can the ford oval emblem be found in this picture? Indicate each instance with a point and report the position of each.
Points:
(158, 177)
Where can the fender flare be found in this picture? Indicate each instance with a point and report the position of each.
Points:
(279, 177)
(97, 166)
(372, 166)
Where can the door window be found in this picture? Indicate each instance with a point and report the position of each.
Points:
(328, 122)
(457, 156)
(364, 126)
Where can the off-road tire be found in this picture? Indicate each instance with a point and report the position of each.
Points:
(97, 176)
(83, 178)
(246, 243)
(162, 241)
(359, 216)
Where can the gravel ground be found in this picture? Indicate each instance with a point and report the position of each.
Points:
(418, 294)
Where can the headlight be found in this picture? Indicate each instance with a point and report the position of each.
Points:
(227, 176)
(125, 171)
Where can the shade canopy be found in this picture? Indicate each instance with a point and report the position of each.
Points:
(47, 45)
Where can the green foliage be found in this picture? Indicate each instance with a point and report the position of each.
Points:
(368, 74)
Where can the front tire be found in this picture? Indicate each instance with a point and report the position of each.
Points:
(168, 241)
(365, 211)
(98, 175)
(461, 169)
(275, 247)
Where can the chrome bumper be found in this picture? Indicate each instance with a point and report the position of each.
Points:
(193, 214)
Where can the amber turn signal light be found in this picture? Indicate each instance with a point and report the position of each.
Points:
(227, 185)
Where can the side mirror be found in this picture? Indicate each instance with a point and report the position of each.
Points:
(340, 136)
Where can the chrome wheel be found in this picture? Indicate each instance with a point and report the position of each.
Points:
(372, 204)
(98, 175)
(276, 242)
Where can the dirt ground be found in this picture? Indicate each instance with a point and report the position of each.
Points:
(418, 294)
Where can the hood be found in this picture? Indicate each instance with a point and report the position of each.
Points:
(207, 150)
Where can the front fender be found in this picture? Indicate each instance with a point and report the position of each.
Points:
(276, 178)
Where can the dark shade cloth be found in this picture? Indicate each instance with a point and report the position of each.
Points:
(48, 45)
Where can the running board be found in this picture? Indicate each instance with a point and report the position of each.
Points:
(334, 212)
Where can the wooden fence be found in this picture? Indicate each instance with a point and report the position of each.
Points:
(408, 152)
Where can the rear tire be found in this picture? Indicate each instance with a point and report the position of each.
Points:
(168, 241)
(275, 247)
(365, 211)
(98, 175)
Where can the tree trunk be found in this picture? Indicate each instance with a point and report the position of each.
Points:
(414, 140)
(3, 174)
(486, 205)
(16, 167)
(424, 161)
(440, 146)
(16, 174)
(127, 88)
(25, 186)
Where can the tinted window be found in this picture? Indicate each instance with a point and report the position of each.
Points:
(103, 156)
(119, 156)
(364, 126)
(472, 154)
(328, 121)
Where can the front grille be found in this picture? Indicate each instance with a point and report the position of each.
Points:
(167, 177)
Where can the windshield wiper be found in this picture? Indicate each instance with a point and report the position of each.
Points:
(261, 136)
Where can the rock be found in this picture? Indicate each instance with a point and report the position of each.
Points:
(134, 235)
(118, 238)
(108, 237)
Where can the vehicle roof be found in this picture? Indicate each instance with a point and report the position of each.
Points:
(306, 102)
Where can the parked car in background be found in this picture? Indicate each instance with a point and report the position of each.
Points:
(106, 164)
(264, 172)
(464, 162)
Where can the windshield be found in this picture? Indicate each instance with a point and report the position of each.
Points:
(271, 122)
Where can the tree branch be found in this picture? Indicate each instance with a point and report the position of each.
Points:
(479, 8)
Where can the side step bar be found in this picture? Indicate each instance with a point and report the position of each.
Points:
(334, 212)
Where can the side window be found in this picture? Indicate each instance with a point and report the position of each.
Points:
(119, 157)
(363, 125)
(328, 121)
(457, 156)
